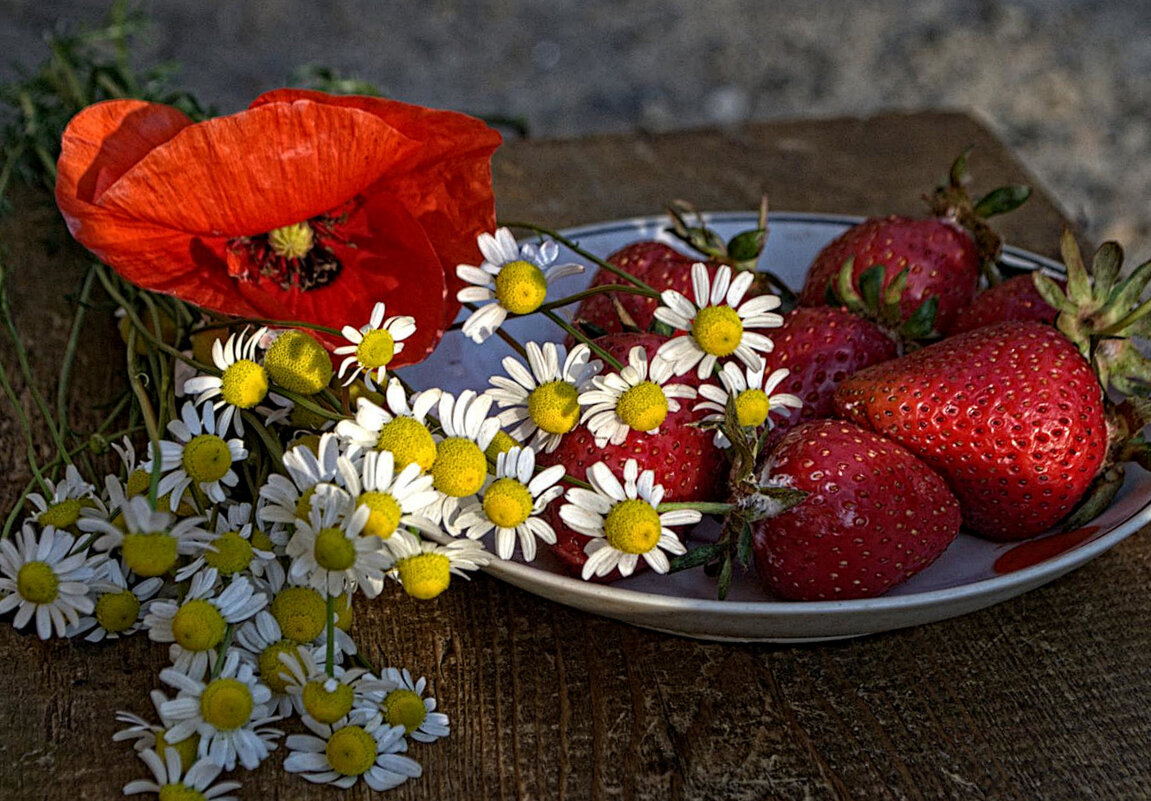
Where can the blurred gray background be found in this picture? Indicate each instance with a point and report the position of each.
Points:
(1064, 82)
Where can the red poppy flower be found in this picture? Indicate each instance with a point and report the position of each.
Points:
(306, 206)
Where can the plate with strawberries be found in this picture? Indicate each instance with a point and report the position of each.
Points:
(951, 447)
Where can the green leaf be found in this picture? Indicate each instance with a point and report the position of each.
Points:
(1053, 294)
(921, 323)
(1078, 282)
(1105, 269)
(696, 557)
(1127, 295)
(747, 246)
(661, 328)
(1002, 200)
(871, 286)
(958, 173)
(724, 583)
(845, 291)
(743, 548)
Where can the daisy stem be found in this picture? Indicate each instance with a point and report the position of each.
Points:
(225, 644)
(365, 663)
(596, 290)
(264, 321)
(29, 440)
(138, 324)
(70, 349)
(504, 335)
(269, 442)
(145, 406)
(574, 248)
(581, 337)
(705, 507)
(330, 630)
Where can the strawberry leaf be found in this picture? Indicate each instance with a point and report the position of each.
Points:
(696, 557)
(724, 583)
(743, 547)
(871, 285)
(1002, 200)
(921, 323)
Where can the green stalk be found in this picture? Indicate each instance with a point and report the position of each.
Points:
(581, 337)
(70, 349)
(225, 644)
(704, 507)
(264, 321)
(574, 248)
(330, 629)
(145, 406)
(26, 426)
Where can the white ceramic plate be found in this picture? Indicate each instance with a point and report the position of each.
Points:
(971, 574)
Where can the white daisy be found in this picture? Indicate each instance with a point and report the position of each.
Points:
(172, 781)
(153, 541)
(262, 644)
(120, 608)
(64, 502)
(513, 503)
(623, 522)
(373, 346)
(41, 578)
(393, 499)
(754, 402)
(153, 736)
(235, 547)
(460, 468)
(400, 699)
(286, 498)
(545, 401)
(200, 457)
(511, 280)
(301, 611)
(228, 712)
(327, 551)
(637, 398)
(242, 384)
(424, 569)
(197, 625)
(400, 428)
(358, 745)
(325, 699)
(716, 322)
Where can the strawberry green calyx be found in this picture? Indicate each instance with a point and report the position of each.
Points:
(951, 201)
(1101, 313)
(883, 306)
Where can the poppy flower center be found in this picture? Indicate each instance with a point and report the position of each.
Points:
(293, 256)
(291, 241)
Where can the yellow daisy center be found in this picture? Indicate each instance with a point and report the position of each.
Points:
(409, 441)
(502, 442)
(291, 241)
(507, 503)
(149, 555)
(385, 514)
(376, 349)
(206, 458)
(424, 575)
(632, 526)
(351, 751)
(404, 708)
(117, 611)
(244, 384)
(643, 407)
(304, 503)
(327, 707)
(180, 792)
(233, 553)
(187, 748)
(554, 407)
(717, 330)
(521, 287)
(751, 407)
(261, 541)
(138, 482)
(343, 611)
(37, 583)
(359, 389)
(274, 672)
(299, 363)
(226, 704)
(62, 514)
(460, 467)
(333, 550)
(198, 626)
(300, 613)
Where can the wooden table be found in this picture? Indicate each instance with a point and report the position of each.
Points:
(1046, 696)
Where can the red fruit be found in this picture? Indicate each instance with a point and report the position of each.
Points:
(941, 260)
(821, 346)
(1014, 299)
(684, 459)
(875, 515)
(1010, 415)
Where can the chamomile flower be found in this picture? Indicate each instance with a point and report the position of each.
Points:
(637, 398)
(242, 384)
(150, 541)
(511, 280)
(754, 401)
(717, 322)
(173, 781)
(200, 457)
(235, 547)
(325, 699)
(262, 644)
(289, 498)
(41, 578)
(65, 500)
(373, 346)
(329, 555)
(513, 503)
(460, 468)
(153, 736)
(544, 403)
(424, 569)
(393, 499)
(196, 626)
(400, 428)
(228, 712)
(401, 701)
(623, 521)
(359, 745)
(120, 607)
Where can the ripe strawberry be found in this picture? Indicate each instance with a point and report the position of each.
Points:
(875, 515)
(1011, 415)
(684, 459)
(1014, 299)
(821, 346)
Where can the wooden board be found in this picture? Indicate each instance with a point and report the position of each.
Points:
(1046, 696)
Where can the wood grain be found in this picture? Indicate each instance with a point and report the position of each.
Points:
(1046, 696)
